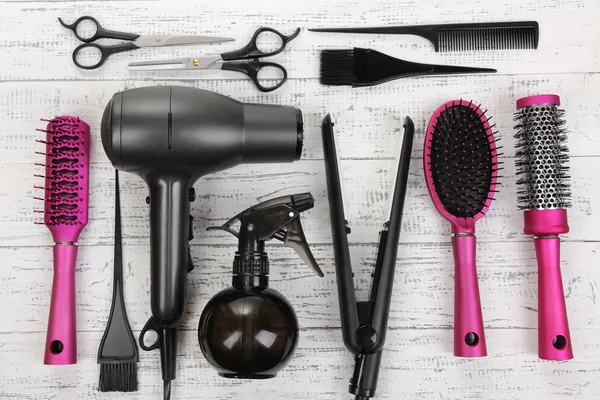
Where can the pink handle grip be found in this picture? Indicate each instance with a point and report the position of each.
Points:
(554, 339)
(61, 340)
(469, 337)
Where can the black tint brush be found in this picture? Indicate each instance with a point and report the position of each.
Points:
(118, 352)
(365, 67)
(463, 37)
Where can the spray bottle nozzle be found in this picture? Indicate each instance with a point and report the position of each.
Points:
(278, 218)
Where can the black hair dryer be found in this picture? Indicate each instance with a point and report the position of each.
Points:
(171, 136)
(250, 331)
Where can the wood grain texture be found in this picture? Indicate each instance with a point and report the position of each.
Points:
(38, 79)
(422, 299)
(368, 121)
(223, 195)
(44, 53)
(417, 364)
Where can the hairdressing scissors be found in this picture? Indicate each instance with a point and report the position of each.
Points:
(137, 41)
(245, 60)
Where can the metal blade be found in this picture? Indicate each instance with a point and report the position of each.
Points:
(165, 40)
(176, 64)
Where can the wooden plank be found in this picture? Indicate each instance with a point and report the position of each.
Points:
(368, 122)
(422, 297)
(223, 195)
(45, 52)
(417, 364)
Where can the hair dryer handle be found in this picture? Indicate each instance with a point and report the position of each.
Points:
(554, 340)
(169, 231)
(469, 337)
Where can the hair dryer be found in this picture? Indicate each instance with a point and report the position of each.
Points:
(171, 136)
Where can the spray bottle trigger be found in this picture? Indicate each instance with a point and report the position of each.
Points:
(293, 237)
(225, 227)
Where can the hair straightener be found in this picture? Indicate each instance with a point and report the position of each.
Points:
(364, 323)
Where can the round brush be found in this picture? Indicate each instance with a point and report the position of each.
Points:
(544, 195)
(461, 170)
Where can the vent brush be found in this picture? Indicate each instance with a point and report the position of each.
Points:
(65, 214)
(544, 194)
(461, 170)
(463, 37)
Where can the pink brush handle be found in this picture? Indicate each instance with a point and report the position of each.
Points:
(61, 340)
(554, 339)
(469, 337)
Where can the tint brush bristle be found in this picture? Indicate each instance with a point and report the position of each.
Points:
(337, 67)
(463, 160)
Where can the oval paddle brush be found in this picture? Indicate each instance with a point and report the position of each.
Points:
(461, 169)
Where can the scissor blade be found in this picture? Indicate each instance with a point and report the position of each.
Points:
(163, 40)
(176, 63)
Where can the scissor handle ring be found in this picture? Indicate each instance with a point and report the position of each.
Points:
(73, 28)
(103, 55)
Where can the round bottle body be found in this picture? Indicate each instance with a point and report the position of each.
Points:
(248, 334)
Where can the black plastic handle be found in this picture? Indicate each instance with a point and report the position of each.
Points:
(105, 52)
(251, 50)
(99, 33)
(154, 326)
(252, 69)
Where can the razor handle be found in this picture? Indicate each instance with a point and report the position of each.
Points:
(469, 336)
(61, 338)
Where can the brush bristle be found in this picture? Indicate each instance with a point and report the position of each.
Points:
(337, 67)
(499, 38)
(542, 158)
(66, 174)
(463, 160)
(118, 377)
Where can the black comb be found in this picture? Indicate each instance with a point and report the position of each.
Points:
(463, 37)
(463, 160)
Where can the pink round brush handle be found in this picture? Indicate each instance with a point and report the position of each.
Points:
(61, 340)
(554, 339)
(469, 337)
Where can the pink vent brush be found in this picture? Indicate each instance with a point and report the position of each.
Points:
(461, 171)
(65, 214)
(544, 194)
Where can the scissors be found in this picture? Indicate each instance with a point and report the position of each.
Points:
(137, 41)
(230, 61)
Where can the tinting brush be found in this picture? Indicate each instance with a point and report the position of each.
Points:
(544, 195)
(365, 67)
(118, 352)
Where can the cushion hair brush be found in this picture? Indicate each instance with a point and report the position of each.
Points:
(65, 214)
(544, 194)
(366, 67)
(461, 170)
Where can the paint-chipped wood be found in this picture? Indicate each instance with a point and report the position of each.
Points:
(422, 297)
(38, 79)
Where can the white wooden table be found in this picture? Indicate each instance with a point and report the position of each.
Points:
(38, 79)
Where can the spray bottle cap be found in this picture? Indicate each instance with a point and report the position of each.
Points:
(279, 219)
